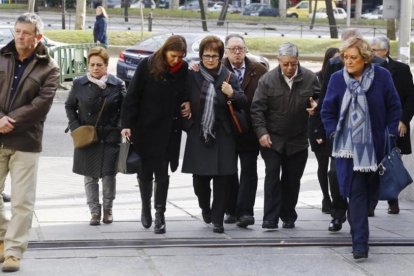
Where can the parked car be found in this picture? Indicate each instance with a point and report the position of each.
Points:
(339, 13)
(305, 7)
(195, 5)
(375, 14)
(129, 59)
(256, 9)
(218, 6)
(7, 35)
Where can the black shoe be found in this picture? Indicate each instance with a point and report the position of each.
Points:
(245, 221)
(336, 224)
(267, 224)
(288, 225)
(217, 228)
(229, 219)
(206, 216)
(159, 223)
(146, 217)
(371, 212)
(6, 197)
(326, 205)
(393, 208)
(360, 255)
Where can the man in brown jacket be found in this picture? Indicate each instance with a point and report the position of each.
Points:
(243, 191)
(29, 80)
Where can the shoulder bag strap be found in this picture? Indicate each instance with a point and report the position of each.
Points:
(100, 113)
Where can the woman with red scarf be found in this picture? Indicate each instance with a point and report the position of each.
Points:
(150, 117)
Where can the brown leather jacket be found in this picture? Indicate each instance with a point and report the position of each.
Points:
(32, 101)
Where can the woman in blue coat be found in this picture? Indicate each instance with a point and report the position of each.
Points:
(360, 104)
(99, 29)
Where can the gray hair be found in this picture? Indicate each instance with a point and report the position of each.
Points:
(348, 33)
(382, 41)
(230, 36)
(288, 49)
(31, 18)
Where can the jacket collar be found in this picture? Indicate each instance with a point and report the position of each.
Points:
(41, 52)
(111, 80)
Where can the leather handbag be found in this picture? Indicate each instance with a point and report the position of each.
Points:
(239, 117)
(86, 135)
(128, 160)
(393, 176)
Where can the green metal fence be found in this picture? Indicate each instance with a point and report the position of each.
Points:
(72, 60)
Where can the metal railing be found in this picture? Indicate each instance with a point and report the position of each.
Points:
(72, 60)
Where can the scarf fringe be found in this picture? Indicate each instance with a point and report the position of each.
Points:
(366, 169)
(343, 154)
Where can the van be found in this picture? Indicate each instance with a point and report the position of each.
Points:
(301, 9)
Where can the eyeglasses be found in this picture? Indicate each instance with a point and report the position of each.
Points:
(378, 50)
(211, 57)
(237, 49)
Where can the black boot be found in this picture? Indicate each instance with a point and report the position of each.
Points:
(145, 188)
(160, 201)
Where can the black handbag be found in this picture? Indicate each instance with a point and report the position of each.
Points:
(129, 161)
(393, 176)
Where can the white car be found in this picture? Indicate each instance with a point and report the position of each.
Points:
(339, 13)
(375, 14)
(218, 6)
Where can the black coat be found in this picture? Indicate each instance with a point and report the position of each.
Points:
(219, 157)
(82, 108)
(152, 110)
(254, 70)
(403, 81)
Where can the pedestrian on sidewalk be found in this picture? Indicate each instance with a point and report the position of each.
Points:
(243, 189)
(29, 79)
(403, 81)
(361, 103)
(97, 96)
(150, 117)
(100, 27)
(210, 150)
(318, 142)
(281, 106)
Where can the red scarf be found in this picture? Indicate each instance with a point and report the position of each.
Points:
(176, 67)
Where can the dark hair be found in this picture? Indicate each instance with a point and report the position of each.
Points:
(211, 42)
(330, 52)
(100, 52)
(158, 63)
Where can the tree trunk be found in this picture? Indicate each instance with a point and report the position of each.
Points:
(313, 14)
(80, 14)
(203, 15)
(391, 30)
(282, 8)
(358, 9)
(223, 13)
(333, 29)
(31, 6)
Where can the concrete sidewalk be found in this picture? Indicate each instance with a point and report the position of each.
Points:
(62, 216)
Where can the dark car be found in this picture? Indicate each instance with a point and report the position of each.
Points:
(7, 35)
(130, 58)
(256, 9)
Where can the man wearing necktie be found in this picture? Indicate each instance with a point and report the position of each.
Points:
(243, 191)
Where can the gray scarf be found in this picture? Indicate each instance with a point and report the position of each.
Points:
(208, 94)
(99, 82)
(353, 138)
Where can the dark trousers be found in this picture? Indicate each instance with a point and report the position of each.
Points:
(339, 203)
(242, 193)
(282, 184)
(221, 186)
(157, 169)
(323, 164)
(362, 186)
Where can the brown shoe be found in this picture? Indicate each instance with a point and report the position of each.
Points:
(11, 264)
(107, 216)
(95, 219)
(1, 252)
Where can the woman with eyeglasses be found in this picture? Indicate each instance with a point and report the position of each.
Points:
(210, 152)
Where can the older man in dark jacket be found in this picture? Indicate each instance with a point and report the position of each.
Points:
(280, 110)
(243, 190)
(29, 80)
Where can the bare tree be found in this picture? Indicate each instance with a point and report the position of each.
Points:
(358, 9)
(203, 15)
(333, 28)
(391, 30)
(223, 13)
(31, 6)
(80, 14)
(282, 8)
(313, 14)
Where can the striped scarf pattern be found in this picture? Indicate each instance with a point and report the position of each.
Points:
(208, 94)
(353, 138)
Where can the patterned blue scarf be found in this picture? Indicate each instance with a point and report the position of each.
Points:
(353, 138)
